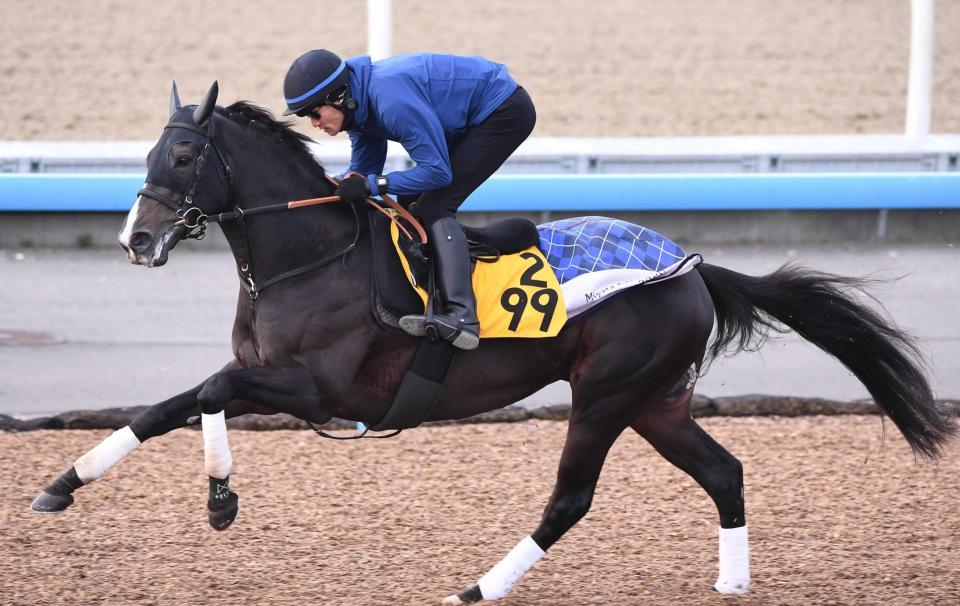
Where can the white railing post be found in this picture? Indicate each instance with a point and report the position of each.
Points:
(379, 28)
(921, 68)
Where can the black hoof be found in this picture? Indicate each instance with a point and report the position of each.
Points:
(47, 502)
(222, 512)
(467, 596)
(471, 595)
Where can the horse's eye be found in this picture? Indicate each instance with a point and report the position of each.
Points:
(183, 160)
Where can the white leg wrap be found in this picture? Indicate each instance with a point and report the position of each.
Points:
(216, 450)
(106, 454)
(734, 561)
(500, 580)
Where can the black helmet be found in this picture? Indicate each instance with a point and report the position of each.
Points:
(310, 80)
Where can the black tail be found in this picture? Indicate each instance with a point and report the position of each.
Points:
(821, 309)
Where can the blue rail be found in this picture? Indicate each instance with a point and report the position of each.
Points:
(116, 192)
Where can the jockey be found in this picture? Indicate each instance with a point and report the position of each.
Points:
(459, 118)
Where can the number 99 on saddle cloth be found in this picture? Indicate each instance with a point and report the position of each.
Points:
(518, 295)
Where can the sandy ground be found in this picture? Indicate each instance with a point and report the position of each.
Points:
(101, 69)
(836, 517)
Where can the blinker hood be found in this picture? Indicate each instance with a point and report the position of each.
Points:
(212, 186)
(159, 170)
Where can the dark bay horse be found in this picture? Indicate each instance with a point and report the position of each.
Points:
(305, 341)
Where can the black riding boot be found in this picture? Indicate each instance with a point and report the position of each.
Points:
(457, 319)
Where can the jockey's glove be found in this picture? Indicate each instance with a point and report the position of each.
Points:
(353, 189)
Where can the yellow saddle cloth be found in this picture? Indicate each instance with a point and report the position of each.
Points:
(518, 295)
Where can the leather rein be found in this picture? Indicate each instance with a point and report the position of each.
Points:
(195, 220)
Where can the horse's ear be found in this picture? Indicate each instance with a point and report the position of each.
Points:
(174, 99)
(205, 108)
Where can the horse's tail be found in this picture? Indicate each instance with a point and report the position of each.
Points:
(821, 308)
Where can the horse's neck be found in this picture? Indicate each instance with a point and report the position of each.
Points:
(280, 241)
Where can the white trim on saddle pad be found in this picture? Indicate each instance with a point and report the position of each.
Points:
(586, 290)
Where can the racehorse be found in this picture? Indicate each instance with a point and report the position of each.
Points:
(305, 341)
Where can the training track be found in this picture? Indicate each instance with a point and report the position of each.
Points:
(836, 516)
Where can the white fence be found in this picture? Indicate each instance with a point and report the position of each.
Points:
(548, 155)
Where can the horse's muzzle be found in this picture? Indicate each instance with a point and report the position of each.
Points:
(144, 249)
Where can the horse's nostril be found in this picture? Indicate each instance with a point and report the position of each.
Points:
(140, 241)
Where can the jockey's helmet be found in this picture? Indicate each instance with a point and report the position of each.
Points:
(311, 79)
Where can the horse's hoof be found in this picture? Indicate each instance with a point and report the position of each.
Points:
(468, 596)
(732, 586)
(48, 502)
(223, 512)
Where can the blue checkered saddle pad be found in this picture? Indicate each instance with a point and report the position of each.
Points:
(593, 257)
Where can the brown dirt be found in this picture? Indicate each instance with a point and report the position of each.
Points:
(836, 517)
(101, 69)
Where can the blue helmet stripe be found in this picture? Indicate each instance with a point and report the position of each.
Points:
(320, 86)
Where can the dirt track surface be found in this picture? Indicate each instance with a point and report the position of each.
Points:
(835, 516)
(101, 69)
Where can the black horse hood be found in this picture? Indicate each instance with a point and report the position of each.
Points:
(159, 171)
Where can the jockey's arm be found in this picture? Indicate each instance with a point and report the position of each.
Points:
(368, 154)
(417, 128)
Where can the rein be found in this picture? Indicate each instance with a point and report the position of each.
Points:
(245, 267)
(195, 220)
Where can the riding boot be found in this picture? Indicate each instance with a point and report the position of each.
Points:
(457, 319)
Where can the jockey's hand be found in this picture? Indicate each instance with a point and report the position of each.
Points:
(353, 189)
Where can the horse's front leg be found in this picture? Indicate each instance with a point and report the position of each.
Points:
(179, 411)
(155, 421)
(281, 388)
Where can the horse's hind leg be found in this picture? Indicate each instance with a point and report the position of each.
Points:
(668, 427)
(588, 440)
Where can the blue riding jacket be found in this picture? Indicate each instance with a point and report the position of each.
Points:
(425, 102)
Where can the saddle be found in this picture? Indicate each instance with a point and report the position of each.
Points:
(392, 296)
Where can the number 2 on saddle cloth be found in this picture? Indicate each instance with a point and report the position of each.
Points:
(518, 295)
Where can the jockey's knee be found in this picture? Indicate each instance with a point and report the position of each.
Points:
(431, 213)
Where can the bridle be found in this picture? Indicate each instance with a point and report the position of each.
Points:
(192, 217)
(195, 220)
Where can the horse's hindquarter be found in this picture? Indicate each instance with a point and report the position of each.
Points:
(644, 341)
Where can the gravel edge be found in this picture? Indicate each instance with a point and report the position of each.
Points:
(703, 406)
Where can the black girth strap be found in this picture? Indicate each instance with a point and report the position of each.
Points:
(420, 388)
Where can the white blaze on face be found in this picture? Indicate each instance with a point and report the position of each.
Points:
(132, 217)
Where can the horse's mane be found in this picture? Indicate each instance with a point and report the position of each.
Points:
(246, 113)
